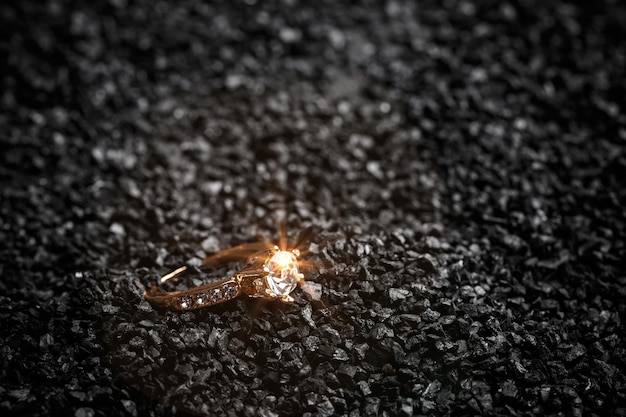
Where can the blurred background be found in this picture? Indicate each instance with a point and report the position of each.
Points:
(461, 163)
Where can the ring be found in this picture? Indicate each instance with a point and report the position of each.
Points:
(271, 273)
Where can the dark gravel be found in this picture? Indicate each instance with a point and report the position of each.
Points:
(461, 165)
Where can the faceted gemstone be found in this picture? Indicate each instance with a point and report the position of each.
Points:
(282, 273)
(215, 295)
(202, 299)
(185, 301)
(230, 290)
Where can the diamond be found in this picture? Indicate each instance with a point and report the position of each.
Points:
(230, 290)
(215, 295)
(185, 301)
(282, 277)
(202, 299)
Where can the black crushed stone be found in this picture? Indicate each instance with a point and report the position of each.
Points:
(461, 165)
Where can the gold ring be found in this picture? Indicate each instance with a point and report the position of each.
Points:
(269, 273)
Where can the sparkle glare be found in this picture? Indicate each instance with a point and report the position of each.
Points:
(283, 273)
(283, 258)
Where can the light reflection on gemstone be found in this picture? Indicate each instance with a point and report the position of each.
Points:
(282, 277)
(186, 301)
(201, 299)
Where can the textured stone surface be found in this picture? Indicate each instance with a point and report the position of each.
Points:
(460, 166)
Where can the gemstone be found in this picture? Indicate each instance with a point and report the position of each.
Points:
(186, 301)
(282, 273)
(202, 299)
(215, 295)
(230, 290)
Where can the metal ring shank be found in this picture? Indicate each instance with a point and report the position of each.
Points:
(197, 297)
(215, 292)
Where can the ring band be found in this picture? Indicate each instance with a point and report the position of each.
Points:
(268, 273)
